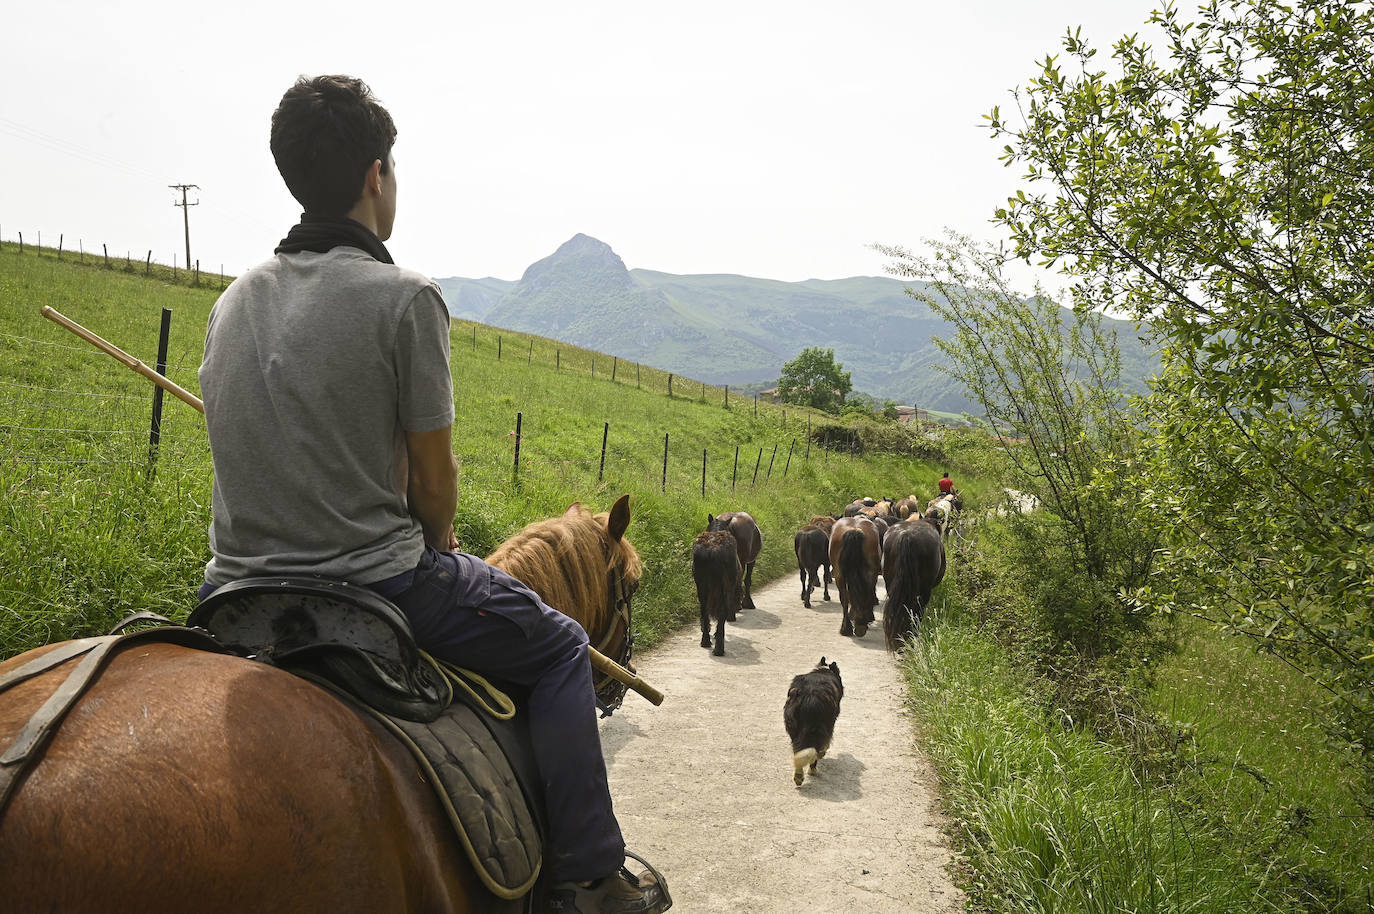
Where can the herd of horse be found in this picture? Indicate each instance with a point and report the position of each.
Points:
(897, 538)
(172, 777)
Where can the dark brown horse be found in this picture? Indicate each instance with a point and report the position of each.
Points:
(716, 571)
(812, 546)
(749, 540)
(913, 563)
(856, 557)
(192, 781)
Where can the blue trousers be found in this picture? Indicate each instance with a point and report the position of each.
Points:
(476, 616)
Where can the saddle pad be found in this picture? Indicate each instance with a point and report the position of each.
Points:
(478, 788)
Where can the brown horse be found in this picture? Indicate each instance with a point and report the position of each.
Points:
(579, 560)
(907, 506)
(812, 546)
(856, 557)
(913, 563)
(750, 541)
(192, 781)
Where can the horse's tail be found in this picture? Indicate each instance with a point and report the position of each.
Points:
(853, 565)
(905, 591)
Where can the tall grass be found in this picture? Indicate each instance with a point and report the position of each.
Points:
(1051, 819)
(89, 534)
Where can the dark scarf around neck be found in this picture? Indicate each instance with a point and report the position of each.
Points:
(322, 234)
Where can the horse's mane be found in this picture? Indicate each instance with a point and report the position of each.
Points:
(566, 560)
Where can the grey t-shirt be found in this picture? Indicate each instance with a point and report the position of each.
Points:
(316, 365)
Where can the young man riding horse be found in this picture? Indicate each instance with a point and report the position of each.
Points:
(329, 402)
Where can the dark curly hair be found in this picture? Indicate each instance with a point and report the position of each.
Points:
(326, 133)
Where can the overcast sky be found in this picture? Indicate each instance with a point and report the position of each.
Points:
(777, 140)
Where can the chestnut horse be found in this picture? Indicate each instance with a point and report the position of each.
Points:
(913, 563)
(192, 781)
(749, 540)
(856, 557)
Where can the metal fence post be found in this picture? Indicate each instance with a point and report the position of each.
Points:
(155, 430)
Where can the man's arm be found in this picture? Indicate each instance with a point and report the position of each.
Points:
(432, 488)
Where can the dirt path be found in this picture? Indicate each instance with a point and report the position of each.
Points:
(703, 784)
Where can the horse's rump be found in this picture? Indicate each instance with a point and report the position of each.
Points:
(716, 572)
(177, 762)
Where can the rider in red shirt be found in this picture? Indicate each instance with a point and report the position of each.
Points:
(946, 484)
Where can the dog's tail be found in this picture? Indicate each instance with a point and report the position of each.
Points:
(799, 762)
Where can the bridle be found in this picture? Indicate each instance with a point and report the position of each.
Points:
(610, 692)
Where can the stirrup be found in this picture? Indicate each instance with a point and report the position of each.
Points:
(662, 884)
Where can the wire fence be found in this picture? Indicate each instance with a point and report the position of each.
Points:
(186, 274)
(110, 421)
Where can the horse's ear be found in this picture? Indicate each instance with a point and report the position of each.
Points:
(574, 509)
(710, 521)
(619, 520)
(822, 663)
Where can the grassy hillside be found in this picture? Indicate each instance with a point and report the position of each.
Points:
(88, 535)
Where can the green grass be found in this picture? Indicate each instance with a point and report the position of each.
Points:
(1252, 732)
(87, 535)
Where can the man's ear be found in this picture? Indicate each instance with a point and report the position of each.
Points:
(373, 179)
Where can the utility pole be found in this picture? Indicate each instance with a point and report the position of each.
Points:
(185, 214)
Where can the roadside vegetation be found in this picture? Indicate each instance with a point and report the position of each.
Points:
(1157, 692)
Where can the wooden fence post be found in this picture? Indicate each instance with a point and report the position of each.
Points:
(498, 347)
(727, 396)
(808, 437)
(60, 238)
(21, 242)
(474, 337)
(636, 374)
(529, 359)
(105, 247)
(615, 363)
(148, 265)
(605, 433)
(557, 359)
(197, 271)
(670, 385)
(756, 406)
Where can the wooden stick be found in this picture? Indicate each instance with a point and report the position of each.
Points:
(120, 355)
(604, 664)
(599, 660)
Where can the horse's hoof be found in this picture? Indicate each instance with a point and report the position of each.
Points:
(748, 604)
(798, 777)
(827, 598)
(706, 644)
(719, 652)
(806, 603)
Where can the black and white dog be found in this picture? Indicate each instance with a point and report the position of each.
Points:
(813, 704)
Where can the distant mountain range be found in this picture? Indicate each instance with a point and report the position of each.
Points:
(736, 330)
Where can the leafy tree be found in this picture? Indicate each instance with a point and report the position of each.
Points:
(1052, 392)
(815, 379)
(1220, 191)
